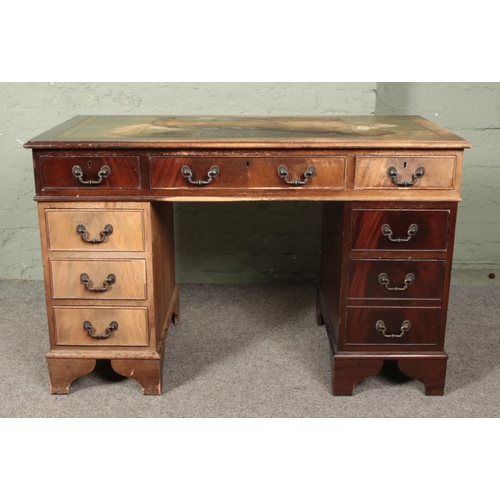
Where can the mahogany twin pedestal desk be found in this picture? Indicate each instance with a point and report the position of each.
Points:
(105, 187)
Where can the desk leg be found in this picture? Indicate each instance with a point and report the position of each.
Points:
(430, 371)
(64, 371)
(349, 371)
(319, 313)
(148, 372)
(176, 316)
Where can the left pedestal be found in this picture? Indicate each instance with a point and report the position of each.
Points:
(110, 288)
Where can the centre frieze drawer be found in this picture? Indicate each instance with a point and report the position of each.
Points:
(100, 326)
(98, 279)
(396, 279)
(174, 172)
(95, 230)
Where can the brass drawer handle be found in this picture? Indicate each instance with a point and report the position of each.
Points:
(102, 174)
(393, 174)
(387, 231)
(187, 174)
(87, 325)
(380, 327)
(283, 173)
(383, 279)
(82, 231)
(110, 280)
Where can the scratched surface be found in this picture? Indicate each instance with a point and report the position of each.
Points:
(130, 128)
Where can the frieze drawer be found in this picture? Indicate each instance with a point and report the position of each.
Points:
(396, 172)
(90, 172)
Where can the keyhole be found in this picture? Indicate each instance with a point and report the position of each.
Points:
(248, 163)
(404, 165)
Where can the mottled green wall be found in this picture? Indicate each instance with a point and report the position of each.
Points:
(472, 111)
(247, 242)
(218, 242)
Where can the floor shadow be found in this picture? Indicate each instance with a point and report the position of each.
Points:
(104, 371)
(102, 374)
(391, 372)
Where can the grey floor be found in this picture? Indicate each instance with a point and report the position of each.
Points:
(249, 351)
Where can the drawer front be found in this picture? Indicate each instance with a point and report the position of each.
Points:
(98, 279)
(400, 229)
(396, 279)
(410, 172)
(389, 326)
(132, 326)
(91, 172)
(248, 173)
(68, 230)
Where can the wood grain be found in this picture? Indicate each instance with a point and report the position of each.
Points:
(145, 303)
(364, 278)
(130, 279)
(64, 371)
(162, 269)
(246, 175)
(432, 234)
(332, 292)
(132, 326)
(431, 372)
(371, 172)
(148, 372)
(347, 372)
(128, 229)
(247, 172)
(351, 156)
(424, 331)
(56, 172)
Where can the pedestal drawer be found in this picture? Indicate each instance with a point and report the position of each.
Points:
(116, 326)
(400, 229)
(98, 279)
(397, 326)
(396, 279)
(95, 230)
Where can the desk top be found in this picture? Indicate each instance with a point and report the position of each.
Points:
(132, 131)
